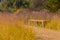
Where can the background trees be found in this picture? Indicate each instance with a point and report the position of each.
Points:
(13, 5)
(53, 5)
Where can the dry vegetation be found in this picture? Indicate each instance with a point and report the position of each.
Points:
(54, 23)
(12, 29)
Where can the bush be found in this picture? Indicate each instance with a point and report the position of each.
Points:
(52, 5)
(12, 5)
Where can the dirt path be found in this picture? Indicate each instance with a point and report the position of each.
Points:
(46, 34)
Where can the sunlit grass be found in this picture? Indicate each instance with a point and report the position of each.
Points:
(54, 24)
(15, 31)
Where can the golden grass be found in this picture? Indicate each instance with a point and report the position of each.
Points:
(54, 23)
(15, 31)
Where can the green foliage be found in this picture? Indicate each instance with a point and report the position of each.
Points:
(12, 5)
(36, 4)
(52, 5)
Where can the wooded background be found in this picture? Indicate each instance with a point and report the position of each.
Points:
(13, 5)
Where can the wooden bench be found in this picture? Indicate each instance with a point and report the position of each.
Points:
(39, 21)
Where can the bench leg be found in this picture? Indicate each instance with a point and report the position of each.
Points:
(35, 24)
(42, 23)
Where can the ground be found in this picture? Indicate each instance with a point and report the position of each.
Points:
(46, 34)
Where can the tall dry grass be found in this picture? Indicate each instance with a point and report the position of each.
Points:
(12, 29)
(15, 32)
(54, 23)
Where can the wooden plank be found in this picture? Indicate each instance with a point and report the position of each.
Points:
(38, 20)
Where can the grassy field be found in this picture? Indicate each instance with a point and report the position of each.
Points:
(54, 23)
(16, 32)
(12, 29)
